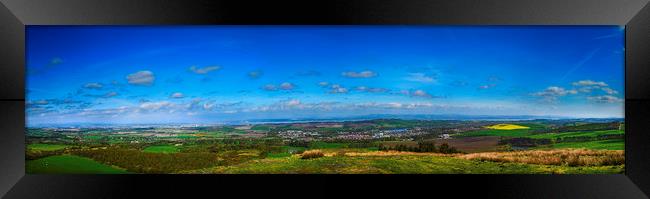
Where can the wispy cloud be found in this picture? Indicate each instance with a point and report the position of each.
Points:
(608, 36)
(580, 64)
(31, 70)
(487, 86)
(362, 74)
(416, 93)
(141, 78)
(110, 94)
(270, 87)
(421, 77)
(93, 85)
(588, 83)
(287, 86)
(177, 95)
(323, 84)
(420, 93)
(610, 91)
(153, 106)
(605, 99)
(255, 74)
(552, 93)
(204, 70)
(371, 89)
(337, 88)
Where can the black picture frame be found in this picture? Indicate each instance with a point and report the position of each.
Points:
(634, 14)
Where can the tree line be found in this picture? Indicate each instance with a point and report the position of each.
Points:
(423, 146)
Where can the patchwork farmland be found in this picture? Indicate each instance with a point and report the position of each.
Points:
(370, 146)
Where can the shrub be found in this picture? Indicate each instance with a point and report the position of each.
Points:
(312, 154)
(445, 148)
(506, 147)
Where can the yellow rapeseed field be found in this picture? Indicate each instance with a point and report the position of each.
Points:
(507, 127)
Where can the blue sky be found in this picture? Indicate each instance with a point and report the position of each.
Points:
(212, 74)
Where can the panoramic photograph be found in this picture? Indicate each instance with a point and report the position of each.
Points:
(324, 100)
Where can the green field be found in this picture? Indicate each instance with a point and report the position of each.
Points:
(576, 134)
(161, 149)
(519, 147)
(495, 132)
(94, 137)
(261, 128)
(398, 164)
(46, 147)
(70, 164)
(285, 151)
(327, 145)
(504, 133)
(614, 144)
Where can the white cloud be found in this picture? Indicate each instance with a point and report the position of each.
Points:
(605, 99)
(415, 93)
(610, 91)
(270, 87)
(204, 70)
(370, 89)
(41, 102)
(152, 106)
(420, 93)
(142, 78)
(420, 77)
(339, 90)
(588, 86)
(177, 95)
(362, 74)
(282, 86)
(589, 83)
(110, 94)
(93, 85)
(394, 105)
(255, 74)
(208, 105)
(552, 93)
(586, 89)
(287, 86)
(487, 86)
(293, 102)
(323, 84)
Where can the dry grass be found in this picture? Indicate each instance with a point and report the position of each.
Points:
(395, 153)
(569, 157)
(312, 154)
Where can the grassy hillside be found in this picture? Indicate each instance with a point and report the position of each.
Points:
(70, 164)
(430, 164)
(614, 144)
(577, 134)
(46, 147)
(161, 149)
